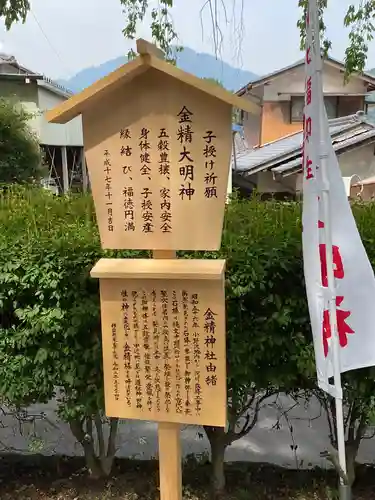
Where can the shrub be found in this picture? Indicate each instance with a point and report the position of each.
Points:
(20, 155)
(50, 319)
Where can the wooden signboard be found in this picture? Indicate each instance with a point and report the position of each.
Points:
(158, 143)
(159, 163)
(163, 330)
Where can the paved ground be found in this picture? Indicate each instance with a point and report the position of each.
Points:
(139, 439)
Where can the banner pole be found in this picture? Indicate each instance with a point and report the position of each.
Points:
(344, 489)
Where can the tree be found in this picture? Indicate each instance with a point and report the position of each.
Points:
(20, 155)
(359, 18)
(215, 81)
(13, 11)
(268, 338)
(50, 316)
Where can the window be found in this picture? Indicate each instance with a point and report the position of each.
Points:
(331, 104)
(297, 106)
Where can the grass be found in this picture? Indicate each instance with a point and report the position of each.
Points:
(59, 478)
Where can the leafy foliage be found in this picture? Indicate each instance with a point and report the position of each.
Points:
(13, 11)
(50, 319)
(20, 156)
(49, 310)
(359, 18)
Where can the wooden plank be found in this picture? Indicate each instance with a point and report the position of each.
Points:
(76, 104)
(162, 268)
(170, 456)
(204, 85)
(170, 469)
(144, 47)
(176, 330)
(184, 181)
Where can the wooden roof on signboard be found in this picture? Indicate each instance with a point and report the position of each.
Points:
(150, 58)
(165, 269)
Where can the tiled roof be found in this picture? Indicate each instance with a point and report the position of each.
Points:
(284, 154)
(367, 76)
(10, 60)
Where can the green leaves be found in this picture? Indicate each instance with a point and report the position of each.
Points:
(20, 155)
(13, 11)
(50, 315)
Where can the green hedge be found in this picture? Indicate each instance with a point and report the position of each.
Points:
(49, 306)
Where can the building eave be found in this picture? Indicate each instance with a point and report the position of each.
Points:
(368, 77)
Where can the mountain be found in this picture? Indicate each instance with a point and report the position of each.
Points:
(199, 64)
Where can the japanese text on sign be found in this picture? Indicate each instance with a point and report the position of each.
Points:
(154, 148)
(310, 172)
(168, 355)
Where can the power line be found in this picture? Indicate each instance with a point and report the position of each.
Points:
(50, 43)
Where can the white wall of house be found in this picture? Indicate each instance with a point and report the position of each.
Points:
(267, 183)
(293, 82)
(360, 161)
(252, 122)
(36, 100)
(25, 94)
(54, 134)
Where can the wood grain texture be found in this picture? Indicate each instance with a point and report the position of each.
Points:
(163, 267)
(152, 188)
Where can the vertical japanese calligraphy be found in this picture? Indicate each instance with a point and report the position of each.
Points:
(157, 352)
(307, 163)
(108, 189)
(163, 150)
(171, 342)
(209, 342)
(311, 171)
(137, 352)
(145, 171)
(115, 366)
(165, 173)
(196, 354)
(343, 328)
(166, 350)
(176, 330)
(209, 153)
(187, 352)
(147, 350)
(129, 216)
(172, 149)
(147, 214)
(186, 162)
(144, 157)
(126, 153)
(127, 349)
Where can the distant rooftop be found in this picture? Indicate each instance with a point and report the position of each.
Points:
(10, 60)
(367, 76)
(284, 156)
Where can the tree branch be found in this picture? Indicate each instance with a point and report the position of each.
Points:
(99, 432)
(111, 451)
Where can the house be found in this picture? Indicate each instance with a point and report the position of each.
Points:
(275, 167)
(62, 144)
(281, 96)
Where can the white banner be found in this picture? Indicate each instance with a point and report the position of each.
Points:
(354, 277)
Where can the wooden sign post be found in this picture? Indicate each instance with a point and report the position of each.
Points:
(158, 145)
(170, 456)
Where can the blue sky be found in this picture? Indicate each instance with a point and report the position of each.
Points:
(62, 37)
